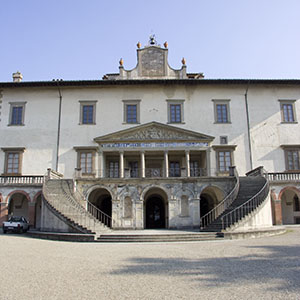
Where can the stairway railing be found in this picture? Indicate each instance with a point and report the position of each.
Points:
(223, 205)
(243, 210)
(64, 211)
(95, 211)
(71, 209)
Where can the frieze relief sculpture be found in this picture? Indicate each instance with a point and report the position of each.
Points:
(156, 134)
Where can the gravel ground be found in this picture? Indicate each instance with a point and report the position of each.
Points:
(263, 268)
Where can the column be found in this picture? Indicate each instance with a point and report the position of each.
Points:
(143, 170)
(121, 164)
(166, 162)
(100, 165)
(187, 159)
(208, 162)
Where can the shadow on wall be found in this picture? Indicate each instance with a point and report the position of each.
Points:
(277, 266)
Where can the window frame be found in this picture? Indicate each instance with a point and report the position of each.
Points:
(225, 102)
(81, 150)
(282, 111)
(126, 104)
(223, 148)
(180, 103)
(174, 168)
(85, 170)
(11, 110)
(288, 148)
(9, 151)
(87, 103)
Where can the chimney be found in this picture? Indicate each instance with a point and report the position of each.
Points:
(17, 77)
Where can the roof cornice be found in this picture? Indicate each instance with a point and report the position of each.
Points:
(105, 82)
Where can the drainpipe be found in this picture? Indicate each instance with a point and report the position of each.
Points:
(58, 125)
(248, 126)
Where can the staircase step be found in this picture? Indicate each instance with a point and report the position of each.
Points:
(59, 194)
(139, 238)
(249, 187)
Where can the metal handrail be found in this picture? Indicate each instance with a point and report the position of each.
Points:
(244, 209)
(95, 211)
(222, 206)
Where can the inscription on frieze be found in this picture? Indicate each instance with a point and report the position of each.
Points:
(153, 62)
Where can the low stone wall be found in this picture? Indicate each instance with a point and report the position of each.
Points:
(259, 219)
(59, 236)
(254, 233)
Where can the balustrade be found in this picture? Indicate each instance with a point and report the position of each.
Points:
(148, 173)
(21, 179)
(278, 177)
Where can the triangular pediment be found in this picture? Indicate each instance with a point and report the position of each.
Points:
(154, 132)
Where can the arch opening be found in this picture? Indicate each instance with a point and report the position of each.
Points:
(101, 198)
(156, 209)
(210, 198)
(290, 206)
(18, 205)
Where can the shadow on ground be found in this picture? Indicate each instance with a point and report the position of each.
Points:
(279, 265)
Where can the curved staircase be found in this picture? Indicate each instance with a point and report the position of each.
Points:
(251, 193)
(61, 200)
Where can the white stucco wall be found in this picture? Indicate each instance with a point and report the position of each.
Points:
(39, 134)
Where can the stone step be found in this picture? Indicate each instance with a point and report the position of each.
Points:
(61, 198)
(249, 186)
(141, 238)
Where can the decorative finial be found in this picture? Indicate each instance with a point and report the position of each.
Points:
(139, 45)
(183, 61)
(121, 62)
(166, 44)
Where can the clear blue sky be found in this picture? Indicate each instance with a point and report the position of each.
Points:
(72, 39)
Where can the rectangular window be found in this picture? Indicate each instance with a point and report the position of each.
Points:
(222, 113)
(224, 161)
(13, 161)
(223, 140)
(175, 111)
(86, 162)
(17, 110)
(174, 169)
(288, 114)
(134, 171)
(194, 169)
(131, 111)
(87, 112)
(292, 159)
(288, 111)
(114, 169)
(221, 108)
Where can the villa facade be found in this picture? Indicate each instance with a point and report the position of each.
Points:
(151, 147)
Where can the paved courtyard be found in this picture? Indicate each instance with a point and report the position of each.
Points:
(263, 268)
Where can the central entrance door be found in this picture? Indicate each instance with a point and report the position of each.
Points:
(155, 212)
